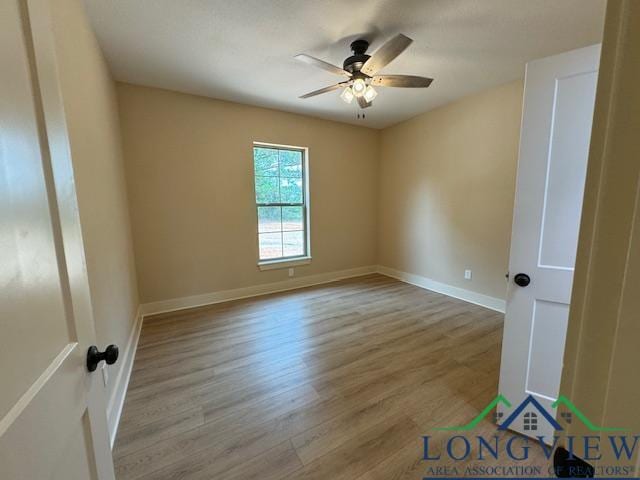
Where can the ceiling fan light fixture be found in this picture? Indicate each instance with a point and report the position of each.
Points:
(370, 93)
(359, 86)
(362, 70)
(347, 95)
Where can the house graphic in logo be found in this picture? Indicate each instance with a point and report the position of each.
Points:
(533, 411)
(530, 421)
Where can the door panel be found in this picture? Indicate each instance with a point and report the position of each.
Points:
(554, 144)
(79, 452)
(42, 424)
(52, 415)
(546, 351)
(29, 267)
(566, 169)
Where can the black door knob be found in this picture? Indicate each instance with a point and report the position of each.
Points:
(522, 279)
(94, 357)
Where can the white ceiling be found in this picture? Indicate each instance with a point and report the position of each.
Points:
(242, 50)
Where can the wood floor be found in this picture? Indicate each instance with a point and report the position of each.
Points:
(338, 381)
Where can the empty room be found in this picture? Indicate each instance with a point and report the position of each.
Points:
(329, 239)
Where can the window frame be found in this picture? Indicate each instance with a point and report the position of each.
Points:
(288, 261)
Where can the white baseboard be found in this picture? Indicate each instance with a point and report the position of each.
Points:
(175, 304)
(121, 382)
(492, 303)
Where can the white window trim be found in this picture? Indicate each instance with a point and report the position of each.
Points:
(283, 263)
(286, 262)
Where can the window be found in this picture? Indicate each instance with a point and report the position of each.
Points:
(281, 200)
(530, 421)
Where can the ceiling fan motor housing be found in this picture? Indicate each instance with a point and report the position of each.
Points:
(355, 62)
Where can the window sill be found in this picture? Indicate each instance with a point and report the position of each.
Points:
(285, 263)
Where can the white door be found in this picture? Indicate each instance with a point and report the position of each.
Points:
(558, 107)
(52, 412)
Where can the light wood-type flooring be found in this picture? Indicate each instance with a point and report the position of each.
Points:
(337, 381)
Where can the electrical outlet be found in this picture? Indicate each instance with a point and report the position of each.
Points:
(291, 273)
(467, 274)
(105, 375)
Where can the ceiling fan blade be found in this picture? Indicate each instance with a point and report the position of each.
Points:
(322, 90)
(403, 81)
(363, 103)
(386, 53)
(321, 64)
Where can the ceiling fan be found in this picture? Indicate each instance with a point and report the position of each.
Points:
(360, 69)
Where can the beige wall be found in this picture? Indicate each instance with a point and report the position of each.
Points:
(91, 111)
(447, 183)
(431, 196)
(190, 176)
